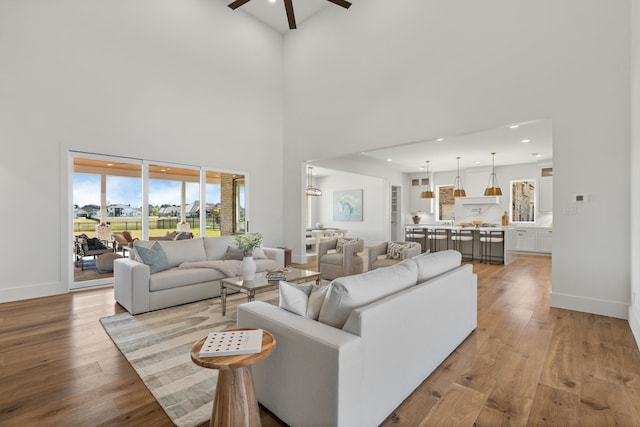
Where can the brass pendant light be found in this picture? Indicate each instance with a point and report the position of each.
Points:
(311, 190)
(458, 191)
(428, 194)
(493, 189)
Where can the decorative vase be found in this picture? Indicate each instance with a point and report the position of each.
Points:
(248, 268)
(416, 219)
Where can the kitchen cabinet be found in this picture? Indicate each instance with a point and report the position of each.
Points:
(545, 195)
(525, 239)
(544, 238)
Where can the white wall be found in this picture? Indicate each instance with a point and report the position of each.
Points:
(188, 82)
(634, 309)
(387, 73)
(375, 226)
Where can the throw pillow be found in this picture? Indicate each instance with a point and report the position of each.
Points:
(258, 253)
(303, 300)
(233, 253)
(342, 241)
(154, 257)
(394, 250)
(294, 298)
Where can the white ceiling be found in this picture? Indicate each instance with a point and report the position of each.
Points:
(529, 142)
(274, 15)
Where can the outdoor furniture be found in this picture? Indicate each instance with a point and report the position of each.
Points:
(85, 246)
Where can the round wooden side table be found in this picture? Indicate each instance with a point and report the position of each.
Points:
(235, 402)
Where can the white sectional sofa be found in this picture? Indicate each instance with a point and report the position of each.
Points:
(189, 276)
(379, 335)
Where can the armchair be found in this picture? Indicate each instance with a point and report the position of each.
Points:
(122, 240)
(339, 257)
(394, 253)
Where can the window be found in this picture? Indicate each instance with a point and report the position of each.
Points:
(523, 200)
(446, 203)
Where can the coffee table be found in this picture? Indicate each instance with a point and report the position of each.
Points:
(261, 284)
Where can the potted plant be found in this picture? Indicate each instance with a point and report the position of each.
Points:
(246, 244)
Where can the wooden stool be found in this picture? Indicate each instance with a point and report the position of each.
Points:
(235, 402)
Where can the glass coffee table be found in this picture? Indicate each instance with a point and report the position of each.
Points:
(261, 284)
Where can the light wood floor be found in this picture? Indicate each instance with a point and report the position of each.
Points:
(526, 364)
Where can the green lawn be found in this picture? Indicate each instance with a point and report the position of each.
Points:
(133, 225)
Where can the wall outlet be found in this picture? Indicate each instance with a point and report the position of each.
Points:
(570, 210)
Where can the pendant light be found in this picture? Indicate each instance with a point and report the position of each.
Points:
(427, 194)
(493, 189)
(458, 191)
(311, 190)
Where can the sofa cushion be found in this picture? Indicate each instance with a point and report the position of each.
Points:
(258, 253)
(434, 264)
(394, 250)
(215, 247)
(153, 256)
(304, 300)
(347, 293)
(179, 251)
(177, 277)
(265, 264)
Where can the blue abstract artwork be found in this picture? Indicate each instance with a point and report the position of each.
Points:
(347, 205)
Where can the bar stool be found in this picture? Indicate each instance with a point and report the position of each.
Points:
(487, 240)
(436, 235)
(458, 237)
(416, 234)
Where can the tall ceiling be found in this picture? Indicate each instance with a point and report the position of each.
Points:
(273, 13)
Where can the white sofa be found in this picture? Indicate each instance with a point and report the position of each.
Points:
(139, 291)
(356, 374)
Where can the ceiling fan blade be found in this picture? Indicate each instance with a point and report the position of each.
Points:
(288, 5)
(343, 3)
(236, 4)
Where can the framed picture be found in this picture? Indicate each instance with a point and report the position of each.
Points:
(347, 205)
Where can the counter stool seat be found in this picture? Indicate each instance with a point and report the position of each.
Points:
(458, 237)
(487, 240)
(414, 234)
(436, 236)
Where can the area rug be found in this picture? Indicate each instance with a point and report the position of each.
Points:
(158, 346)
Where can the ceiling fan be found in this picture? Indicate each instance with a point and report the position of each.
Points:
(288, 6)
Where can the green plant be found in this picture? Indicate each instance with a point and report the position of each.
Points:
(248, 242)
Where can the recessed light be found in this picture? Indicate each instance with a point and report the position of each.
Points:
(477, 162)
(524, 141)
(272, 1)
(440, 139)
(514, 126)
(536, 154)
(389, 160)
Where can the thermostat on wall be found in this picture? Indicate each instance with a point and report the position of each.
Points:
(579, 197)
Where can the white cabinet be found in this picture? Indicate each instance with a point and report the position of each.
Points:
(544, 238)
(525, 239)
(545, 195)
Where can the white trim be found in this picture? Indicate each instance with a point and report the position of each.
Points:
(634, 323)
(590, 305)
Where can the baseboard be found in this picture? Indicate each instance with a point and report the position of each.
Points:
(32, 291)
(590, 305)
(634, 323)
